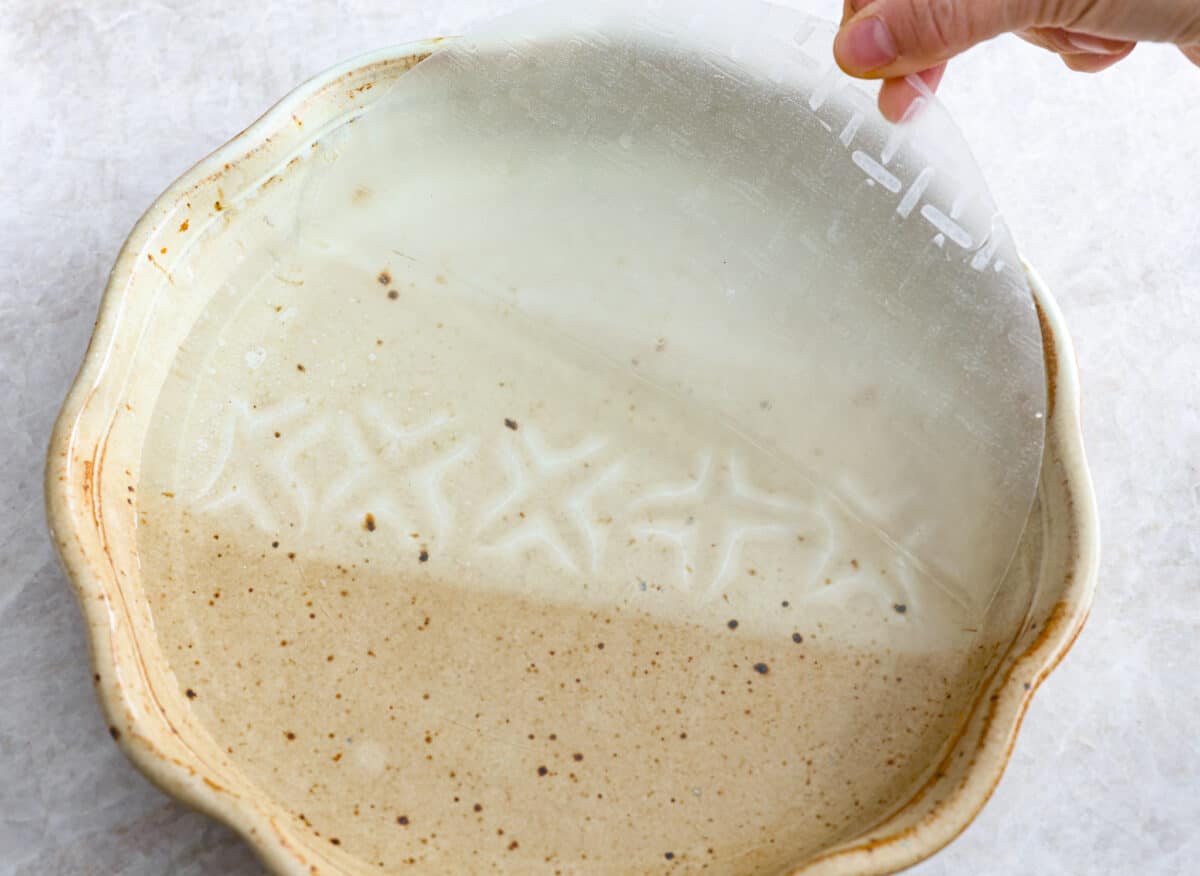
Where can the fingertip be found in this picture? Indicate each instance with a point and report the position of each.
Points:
(1086, 62)
(933, 76)
(897, 96)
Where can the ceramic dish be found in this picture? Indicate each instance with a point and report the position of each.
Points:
(264, 518)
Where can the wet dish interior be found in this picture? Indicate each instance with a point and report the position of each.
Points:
(450, 590)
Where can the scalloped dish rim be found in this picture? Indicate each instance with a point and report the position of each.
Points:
(932, 818)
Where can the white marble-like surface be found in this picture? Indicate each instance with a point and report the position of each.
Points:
(104, 102)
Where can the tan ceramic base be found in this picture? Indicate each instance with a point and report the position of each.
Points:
(356, 591)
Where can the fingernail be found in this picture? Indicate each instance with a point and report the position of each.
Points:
(865, 46)
(1095, 45)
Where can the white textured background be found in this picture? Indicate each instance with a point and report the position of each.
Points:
(103, 103)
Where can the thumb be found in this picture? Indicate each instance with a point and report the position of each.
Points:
(888, 39)
(892, 38)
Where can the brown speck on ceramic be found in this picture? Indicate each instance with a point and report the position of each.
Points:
(183, 226)
(733, 624)
(762, 668)
(511, 424)
(669, 856)
(191, 694)
(289, 735)
(423, 556)
(393, 294)
(900, 608)
(369, 522)
(114, 733)
(797, 638)
(541, 771)
(384, 278)
(402, 820)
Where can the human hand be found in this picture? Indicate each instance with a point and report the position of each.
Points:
(891, 39)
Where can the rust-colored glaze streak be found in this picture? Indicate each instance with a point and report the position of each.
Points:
(1051, 352)
(393, 65)
(85, 484)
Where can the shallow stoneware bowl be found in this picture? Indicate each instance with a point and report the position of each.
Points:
(355, 590)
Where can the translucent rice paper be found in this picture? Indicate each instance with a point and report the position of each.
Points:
(699, 180)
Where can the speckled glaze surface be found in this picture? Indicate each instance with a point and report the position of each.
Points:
(321, 579)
